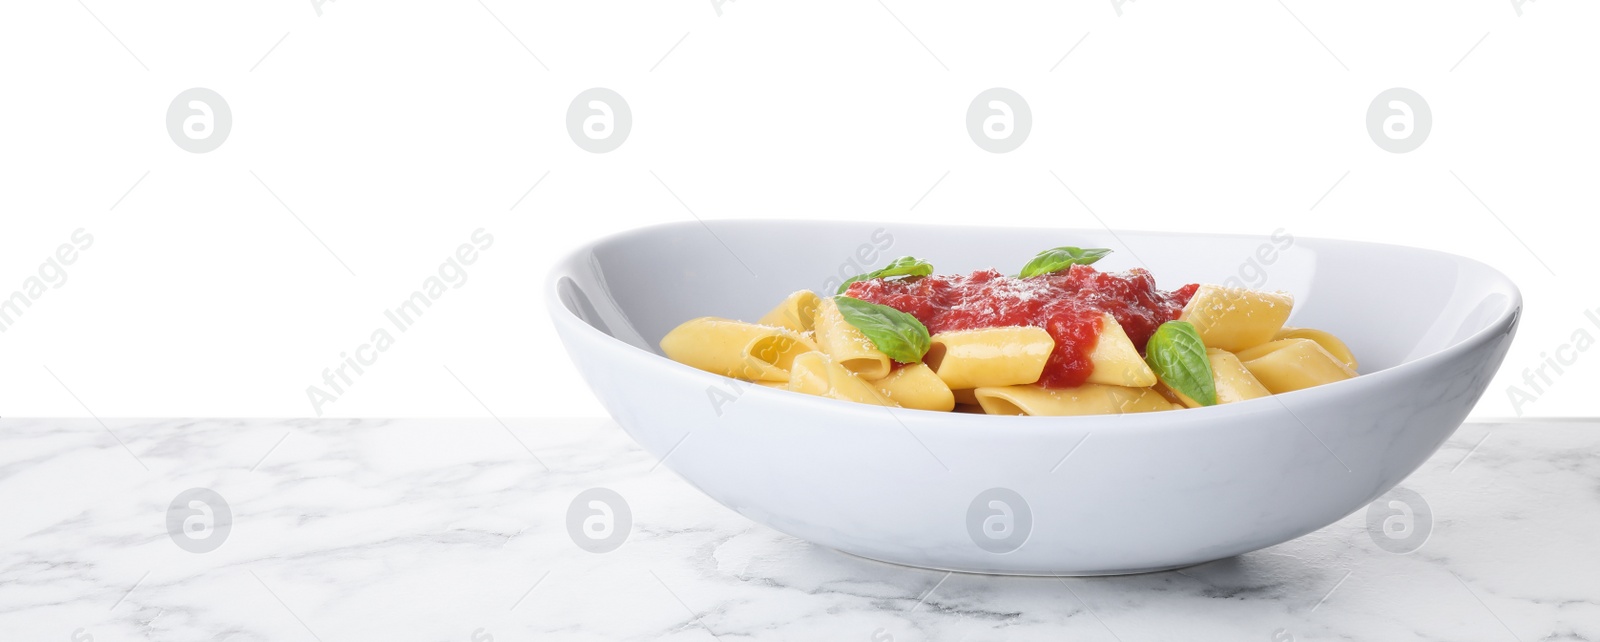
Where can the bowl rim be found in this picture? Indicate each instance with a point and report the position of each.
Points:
(1327, 393)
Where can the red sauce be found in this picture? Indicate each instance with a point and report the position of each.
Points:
(1066, 304)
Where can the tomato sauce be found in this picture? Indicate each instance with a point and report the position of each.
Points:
(1066, 304)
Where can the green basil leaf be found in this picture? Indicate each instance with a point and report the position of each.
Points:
(897, 334)
(1061, 258)
(1178, 357)
(903, 266)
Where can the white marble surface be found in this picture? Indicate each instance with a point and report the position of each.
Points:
(437, 530)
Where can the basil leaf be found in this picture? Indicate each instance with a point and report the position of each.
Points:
(1179, 358)
(1061, 258)
(903, 266)
(897, 334)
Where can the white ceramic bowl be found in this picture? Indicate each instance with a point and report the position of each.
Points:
(1138, 492)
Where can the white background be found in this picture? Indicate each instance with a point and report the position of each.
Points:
(392, 130)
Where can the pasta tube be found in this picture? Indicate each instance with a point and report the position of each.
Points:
(848, 347)
(735, 349)
(1234, 319)
(1087, 399)
(1293, 364)
(1116, 362)
(815, 373)
(916, 386)
(1323, 338)
(990, 357)
(798, 312)
(1234, 383)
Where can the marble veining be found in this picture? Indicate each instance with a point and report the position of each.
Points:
(451, 530)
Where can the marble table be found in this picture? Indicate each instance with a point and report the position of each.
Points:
(467, 530)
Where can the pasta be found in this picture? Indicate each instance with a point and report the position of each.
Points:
(1087, 399)
(798, 312)
(1293, 364)
(735, 349)
(1234, 383)
(816, 373)
(917, 386)
(990, 357)
(1059, 339)
(1233, 319)
(1116, 361)
(847, 345)
(1323, 338)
